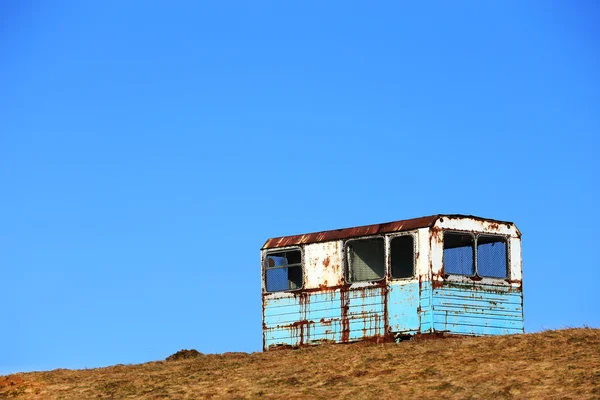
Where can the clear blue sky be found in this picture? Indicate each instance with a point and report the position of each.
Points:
(148, 149)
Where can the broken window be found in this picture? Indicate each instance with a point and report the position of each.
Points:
(459, 250)
(366, 259)
(402, 250)
(283, 270)
(492, 256)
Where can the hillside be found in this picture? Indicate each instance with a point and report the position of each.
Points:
(551, 364)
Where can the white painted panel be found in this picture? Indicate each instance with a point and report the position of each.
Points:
(437, 251)
(323, 264)
(470, 224)
(515, 259)
(423, 254)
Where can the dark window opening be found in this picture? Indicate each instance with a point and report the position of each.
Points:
(283, 271)
(402, 250)
(492, 256)
(458, 253)
(366, 260)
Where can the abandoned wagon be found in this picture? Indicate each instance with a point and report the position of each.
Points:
(448, 274)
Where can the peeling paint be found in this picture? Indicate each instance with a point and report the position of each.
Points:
(330, 310)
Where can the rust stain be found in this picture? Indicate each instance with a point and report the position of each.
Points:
(298, 330)
(366, 230)
(337, 234)
(345, 305)
(494, 226)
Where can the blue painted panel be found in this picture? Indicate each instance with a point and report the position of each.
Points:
(474, 293)
(490, 311)
(366, 326)
(282, 336)
(292, 321)
(403, 305)
(282, 301)
(282, 311)
(365, 312)
(461, 318)
(324, 313)
(327, 330)
(476, 330)
(426, 311)
(473, 309)
(357, 308)
(280, 314)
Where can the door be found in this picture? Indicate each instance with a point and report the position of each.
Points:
(403, 287)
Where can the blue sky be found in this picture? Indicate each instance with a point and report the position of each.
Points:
(148, 149)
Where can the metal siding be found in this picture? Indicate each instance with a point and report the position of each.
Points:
(477, 309)
(324, 317)
(426, 308)
(365, 312)
(280, 321)
(315, 317)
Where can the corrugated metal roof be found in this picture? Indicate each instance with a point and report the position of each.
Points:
(366, 230)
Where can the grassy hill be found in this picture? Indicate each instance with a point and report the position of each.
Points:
(552, 364)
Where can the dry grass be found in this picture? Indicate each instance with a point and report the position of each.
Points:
(563, 364)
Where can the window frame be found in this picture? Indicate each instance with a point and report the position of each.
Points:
(474, 236)
(348, 264)
(266, 268)
(389, 252)
(476, 275)
(507, 258)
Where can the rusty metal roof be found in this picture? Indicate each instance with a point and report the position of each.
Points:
(366, 230)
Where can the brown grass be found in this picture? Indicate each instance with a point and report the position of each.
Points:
(563, 364)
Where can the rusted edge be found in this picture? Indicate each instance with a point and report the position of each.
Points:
(346, 233)
(366, 230)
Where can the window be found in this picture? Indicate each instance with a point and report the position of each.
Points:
(402, 250)
(459, 255)
(366, 259)
(283, 270)
(492, 256)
